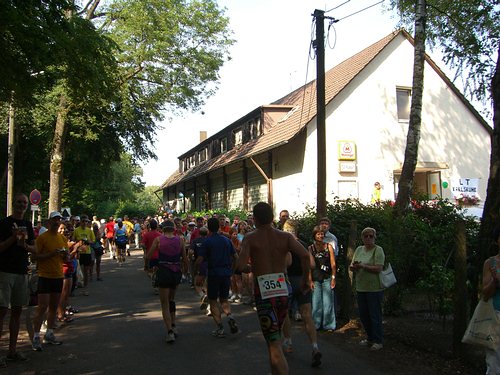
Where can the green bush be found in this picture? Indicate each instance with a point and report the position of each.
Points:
(419, 245)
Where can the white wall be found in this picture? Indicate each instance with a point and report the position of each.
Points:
(365, 112)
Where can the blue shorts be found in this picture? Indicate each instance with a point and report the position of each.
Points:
(218, 287)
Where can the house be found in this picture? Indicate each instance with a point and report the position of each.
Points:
(270, 153)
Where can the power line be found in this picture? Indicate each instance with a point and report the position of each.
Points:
(361, 10)
(338, 6)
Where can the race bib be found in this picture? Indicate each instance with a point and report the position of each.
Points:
(272, 285)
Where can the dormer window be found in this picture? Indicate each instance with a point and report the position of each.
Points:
(238, 137)
(255, 128)
(223, 145)
(202, 155)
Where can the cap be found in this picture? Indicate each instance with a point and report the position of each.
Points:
(118, 220)
(227, 220)
(76, 218)
(54, 214)
(191, 223)
(167, 224)
(103, 221)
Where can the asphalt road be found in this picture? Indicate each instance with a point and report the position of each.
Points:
(119, 330)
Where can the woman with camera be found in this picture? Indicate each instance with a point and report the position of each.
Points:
(323, 277)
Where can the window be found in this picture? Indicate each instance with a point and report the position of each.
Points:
(403, 100)
(202, 155)
(255, 128)
(223, 145)
(238, 137)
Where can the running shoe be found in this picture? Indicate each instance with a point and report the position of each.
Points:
(16, 357)
(170, 337)
(175, 331)
(204, 302)
(365, 342)
(376, 346)
(36, 344)
(51, 339)
(316, 358)
(219, 332)
(233, 326)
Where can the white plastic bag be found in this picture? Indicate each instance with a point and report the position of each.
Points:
(387, 277)
(484, 326)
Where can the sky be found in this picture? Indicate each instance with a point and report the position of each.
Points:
(269, 59)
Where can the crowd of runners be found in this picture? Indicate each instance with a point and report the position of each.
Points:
(254, 261)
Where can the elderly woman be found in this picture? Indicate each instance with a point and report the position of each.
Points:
(491, 289)
(367, 263)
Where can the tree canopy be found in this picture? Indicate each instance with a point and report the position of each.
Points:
(119, 68)
(467, 32)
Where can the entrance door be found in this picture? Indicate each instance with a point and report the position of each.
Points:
(434, 184)
(427, 183)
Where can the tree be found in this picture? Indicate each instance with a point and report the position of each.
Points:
(467, 33)
(414, 125)
(168, 55)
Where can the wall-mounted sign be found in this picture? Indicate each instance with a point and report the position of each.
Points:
(347, 166)
(347, 150)
(465, 187)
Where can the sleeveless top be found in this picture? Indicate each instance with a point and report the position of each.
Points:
(496, 296)
(169, 254)
(323, 268)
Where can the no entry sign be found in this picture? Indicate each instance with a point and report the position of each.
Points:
(35, 197)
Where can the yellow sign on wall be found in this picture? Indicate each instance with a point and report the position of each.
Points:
(347, 150)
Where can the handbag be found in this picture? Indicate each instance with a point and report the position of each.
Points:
(387, 277)
(484, 326)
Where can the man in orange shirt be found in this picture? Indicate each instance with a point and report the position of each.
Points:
(224, 226)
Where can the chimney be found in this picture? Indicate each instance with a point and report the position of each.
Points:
(203, 135)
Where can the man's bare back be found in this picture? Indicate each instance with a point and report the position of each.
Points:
(268, 248)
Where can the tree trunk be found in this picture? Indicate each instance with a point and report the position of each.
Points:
(491, 211)
(413, 137)
(57, 156)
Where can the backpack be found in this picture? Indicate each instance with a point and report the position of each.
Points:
(121, 236)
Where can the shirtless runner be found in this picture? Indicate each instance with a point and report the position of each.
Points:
(267, 248)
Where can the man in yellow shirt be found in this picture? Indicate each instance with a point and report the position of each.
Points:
(129, 228)
(85, 234)
(51, 250)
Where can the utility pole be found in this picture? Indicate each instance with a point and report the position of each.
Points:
(10, 158)
(319, 43)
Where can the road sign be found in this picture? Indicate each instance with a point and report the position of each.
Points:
(35, 197)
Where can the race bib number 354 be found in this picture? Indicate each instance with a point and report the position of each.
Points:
(272, 285)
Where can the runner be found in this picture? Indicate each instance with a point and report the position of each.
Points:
(218, 251)
(268, 247)
(303, 300)
(195, 247)
(171, 251)
(121, 241)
